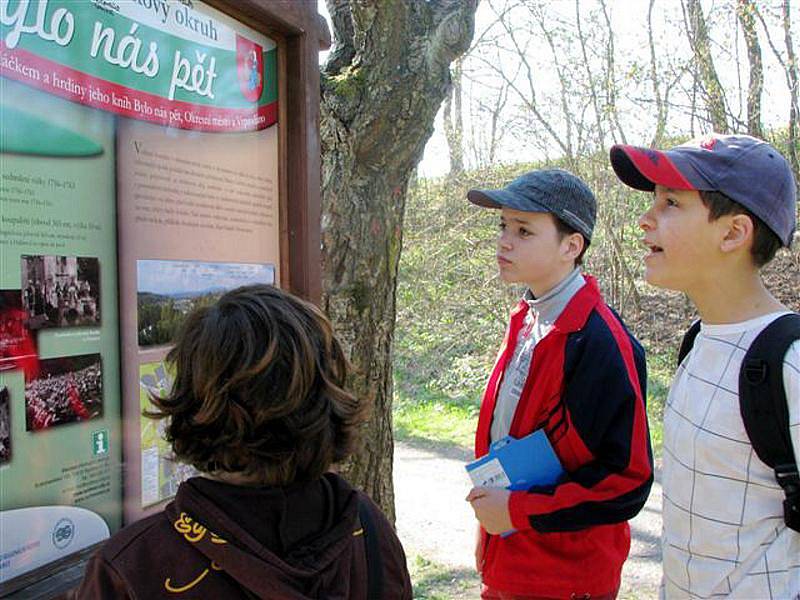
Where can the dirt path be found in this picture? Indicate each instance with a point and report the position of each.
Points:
(435, 522)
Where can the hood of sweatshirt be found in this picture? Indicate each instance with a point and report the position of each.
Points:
(288, 542)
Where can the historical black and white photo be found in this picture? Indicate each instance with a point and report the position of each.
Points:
(61, 291)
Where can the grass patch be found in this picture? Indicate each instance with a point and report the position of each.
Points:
(660, 369)
(423, 415)
(423, 412)
(434, 581)
(436, 421)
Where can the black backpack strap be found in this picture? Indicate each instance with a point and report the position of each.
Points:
(765, 410)
(688, 341)
(372, 551)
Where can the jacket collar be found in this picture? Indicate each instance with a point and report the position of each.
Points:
(574, 315)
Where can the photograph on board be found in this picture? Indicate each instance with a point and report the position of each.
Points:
(61, 291)
(5, 426)
(64, 390)
(17, 344)
(168, 290)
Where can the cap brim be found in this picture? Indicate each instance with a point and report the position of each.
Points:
(483, 198)
(644, 168)
(504, 198)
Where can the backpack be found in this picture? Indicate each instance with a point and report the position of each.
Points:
(763, 404)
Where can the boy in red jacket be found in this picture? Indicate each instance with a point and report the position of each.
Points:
(569, 366)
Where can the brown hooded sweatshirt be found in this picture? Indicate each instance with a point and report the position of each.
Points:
(218, 540)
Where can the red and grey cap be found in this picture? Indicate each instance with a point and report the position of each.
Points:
(747, 170)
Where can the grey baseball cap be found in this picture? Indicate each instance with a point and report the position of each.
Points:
(747, 170)
(553, 191)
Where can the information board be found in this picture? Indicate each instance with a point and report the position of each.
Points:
(138, 179)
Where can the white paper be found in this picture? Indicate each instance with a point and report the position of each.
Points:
(490, 474)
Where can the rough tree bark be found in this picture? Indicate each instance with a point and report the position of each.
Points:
(745, 12)
(701, 47)
(381, 89)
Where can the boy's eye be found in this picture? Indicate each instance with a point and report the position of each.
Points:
(524, 232)
(671, 202)
(501, 225)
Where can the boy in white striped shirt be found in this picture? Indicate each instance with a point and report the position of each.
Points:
(722, 206)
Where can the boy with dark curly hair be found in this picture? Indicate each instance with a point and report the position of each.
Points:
(259, 406)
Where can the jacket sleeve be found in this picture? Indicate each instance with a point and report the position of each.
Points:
(101, 580)
(605, 447)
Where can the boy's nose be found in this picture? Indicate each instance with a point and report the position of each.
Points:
(502, 242)
(646, 221)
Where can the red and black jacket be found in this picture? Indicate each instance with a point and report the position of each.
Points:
(586, 387)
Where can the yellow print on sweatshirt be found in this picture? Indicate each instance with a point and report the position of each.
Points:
(194, 531)
(179, 589)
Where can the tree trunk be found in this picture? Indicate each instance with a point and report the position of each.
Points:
(701, 46)
(496, 126)
(789, 65)
(792, 78)
(745, 12)
(611, 78)
(598, 112)
(661, 104)
(454, 124)
(379, 100)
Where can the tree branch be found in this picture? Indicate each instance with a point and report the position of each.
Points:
(454, 22)
(343, 49)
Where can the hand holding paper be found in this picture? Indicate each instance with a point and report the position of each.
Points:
(491, 508)
(511, 464)
(517, 464)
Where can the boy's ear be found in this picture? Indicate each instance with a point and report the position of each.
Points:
(739, 233)
(574, 245)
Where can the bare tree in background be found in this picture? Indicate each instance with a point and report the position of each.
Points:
(598, 113)
(789, 65)
(745, 12)
(701, 46)
(487, 106)
(454, 122)
(521, 79)
(792, 76)
(381, 89)
(496, 124)
(611, 78)
(660, 101)
(561, 83)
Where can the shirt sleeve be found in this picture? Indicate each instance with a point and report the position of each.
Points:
(606, 424)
